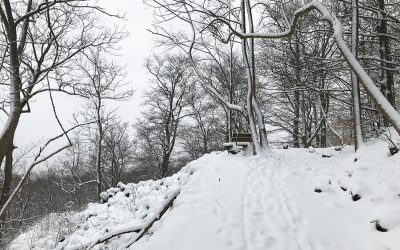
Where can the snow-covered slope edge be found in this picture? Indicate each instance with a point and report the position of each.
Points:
(126, 208)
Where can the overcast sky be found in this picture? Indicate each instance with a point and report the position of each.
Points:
(40, 123)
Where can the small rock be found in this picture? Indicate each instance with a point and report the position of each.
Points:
(393, 150)
(379, 227)
(317, 190)
(355, 197)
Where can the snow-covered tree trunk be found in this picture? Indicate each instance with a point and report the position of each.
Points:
(357, 130)
(250, 90)
(253, 76)
(230, 111)
(383, 104)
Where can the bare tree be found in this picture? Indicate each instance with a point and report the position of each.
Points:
(203, 130)
(119, 151)
(101, 81)
(167, 102)
(197, 42)
(41, 43)
(213, 15)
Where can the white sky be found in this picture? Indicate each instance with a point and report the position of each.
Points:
(40, 123)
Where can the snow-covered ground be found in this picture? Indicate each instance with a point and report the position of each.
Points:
(295, 199)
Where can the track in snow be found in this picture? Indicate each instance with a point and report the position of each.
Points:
(264, 203)
(271, 220)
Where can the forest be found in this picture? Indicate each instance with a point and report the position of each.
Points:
(291, 74)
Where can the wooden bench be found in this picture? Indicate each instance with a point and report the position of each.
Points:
(239, 141)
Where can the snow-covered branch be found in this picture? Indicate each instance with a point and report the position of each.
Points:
(384, 105)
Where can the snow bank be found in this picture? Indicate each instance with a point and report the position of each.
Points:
(355, 205)
(127, 207)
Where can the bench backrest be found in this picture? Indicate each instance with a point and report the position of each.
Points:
(241, 137)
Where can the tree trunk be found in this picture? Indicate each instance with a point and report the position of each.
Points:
(325, 108)
(296, 120)
(6, 187)
(165, 165)
(297, 102)
(358, 137)
(386, 79)
(252, 75)
(205, 144)
(250, 86)
(231, 89)
(323, 133)
(99, 153)
(8, 131)
(304, 134)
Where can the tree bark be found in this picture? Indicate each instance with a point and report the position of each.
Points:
(165, 165)
(8, 131)
(386, 78)
(252, 74)
(325, 107)
(358, 136)
(6, 187)
(250, 89)
(296, 119)
(99, 149)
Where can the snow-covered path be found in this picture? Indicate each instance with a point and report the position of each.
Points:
(231, 205)
(208, 212)
(255, 203)
(269, 212)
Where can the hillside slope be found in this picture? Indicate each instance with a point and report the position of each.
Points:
(295, 199)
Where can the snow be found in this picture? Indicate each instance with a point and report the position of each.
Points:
(292, 199)
(126, 208)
